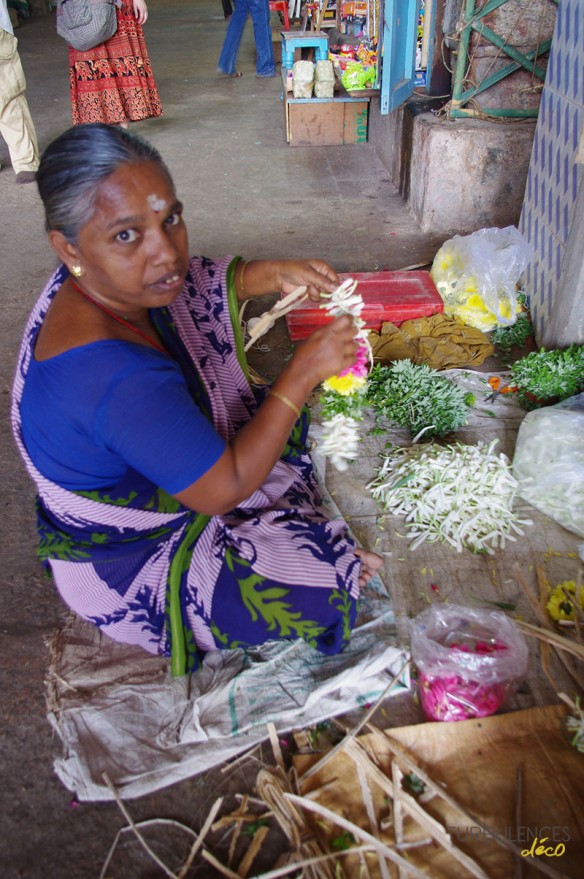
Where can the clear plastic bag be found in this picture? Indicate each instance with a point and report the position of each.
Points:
(476, 276)
(467, 661)
(549, 462)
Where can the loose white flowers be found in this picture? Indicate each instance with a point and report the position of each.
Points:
(343, 395)
(458, 494)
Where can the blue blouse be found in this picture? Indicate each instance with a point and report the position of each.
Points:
(96, 411)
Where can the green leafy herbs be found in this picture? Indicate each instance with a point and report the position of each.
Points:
(315, 733)
(412, 784)
(544, 377)
(517, 335)
(418, 397)
(343, 842)
(575, 726)
(350, 405)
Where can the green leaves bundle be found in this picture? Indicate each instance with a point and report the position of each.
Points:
(516, 335)
(418, 397)
(544, 377)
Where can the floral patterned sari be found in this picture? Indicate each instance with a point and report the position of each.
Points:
(147, 570)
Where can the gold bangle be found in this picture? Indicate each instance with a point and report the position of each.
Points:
(244, 265)
(285, 400)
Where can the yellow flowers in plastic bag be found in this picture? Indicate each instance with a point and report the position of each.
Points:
(476, 275)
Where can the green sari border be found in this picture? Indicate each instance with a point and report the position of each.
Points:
(180, 563)
(180, 641)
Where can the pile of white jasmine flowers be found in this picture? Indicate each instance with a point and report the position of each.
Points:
(458, 494)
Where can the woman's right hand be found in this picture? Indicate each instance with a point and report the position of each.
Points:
(328, 351)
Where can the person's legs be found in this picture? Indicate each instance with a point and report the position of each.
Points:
(235, 28)
(227, 8)
(260, 15)
(17, 129)
(16, 125)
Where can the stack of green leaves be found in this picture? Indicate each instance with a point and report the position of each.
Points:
(419, 398)
(516, 335)
(545, 377)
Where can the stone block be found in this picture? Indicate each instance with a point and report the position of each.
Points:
(467, 174)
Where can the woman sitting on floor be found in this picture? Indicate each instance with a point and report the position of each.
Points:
(177, 506)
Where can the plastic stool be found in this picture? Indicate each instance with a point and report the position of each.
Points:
(281, 6)
(303, 40)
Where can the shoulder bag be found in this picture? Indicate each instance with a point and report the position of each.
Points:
(85, 24)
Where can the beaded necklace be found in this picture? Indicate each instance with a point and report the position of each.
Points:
(121, 320)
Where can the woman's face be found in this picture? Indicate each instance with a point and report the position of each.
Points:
(134, 250)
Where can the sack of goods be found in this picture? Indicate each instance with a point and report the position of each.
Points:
(324, 80)
(85, 24)
(302, 79)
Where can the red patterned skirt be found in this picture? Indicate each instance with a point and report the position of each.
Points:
(113, 82)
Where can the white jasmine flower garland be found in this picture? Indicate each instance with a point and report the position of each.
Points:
(343, 395)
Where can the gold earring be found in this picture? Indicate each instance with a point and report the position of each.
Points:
(76, 271)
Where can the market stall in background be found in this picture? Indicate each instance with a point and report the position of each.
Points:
(332, 52)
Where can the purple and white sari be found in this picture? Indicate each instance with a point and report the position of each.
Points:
(147, 570)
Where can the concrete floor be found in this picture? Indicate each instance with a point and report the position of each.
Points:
(247, 192)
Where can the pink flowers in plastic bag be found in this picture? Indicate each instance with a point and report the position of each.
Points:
(468, 662)
(454, 698)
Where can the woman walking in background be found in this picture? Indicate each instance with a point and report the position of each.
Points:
(113, 82)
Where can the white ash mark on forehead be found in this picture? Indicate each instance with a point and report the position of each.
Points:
(157, 204)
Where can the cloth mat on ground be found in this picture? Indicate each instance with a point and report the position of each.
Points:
(119, 712)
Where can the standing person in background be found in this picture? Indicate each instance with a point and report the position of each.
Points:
(262, 32)
(113, 82)
(16, 125)
(227, 9)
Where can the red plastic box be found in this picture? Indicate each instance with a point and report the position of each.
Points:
(388, 296)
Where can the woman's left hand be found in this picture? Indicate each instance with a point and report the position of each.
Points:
(261, 276)
(140, 11)
(315, 274)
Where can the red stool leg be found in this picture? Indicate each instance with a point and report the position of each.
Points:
(281, 6)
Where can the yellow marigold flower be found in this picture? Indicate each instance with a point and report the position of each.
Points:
(558, 606)
(344, 384)
(476, 301)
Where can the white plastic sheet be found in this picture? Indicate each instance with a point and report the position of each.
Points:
(118, 711)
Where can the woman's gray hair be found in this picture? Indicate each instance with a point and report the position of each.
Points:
(73, 166)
